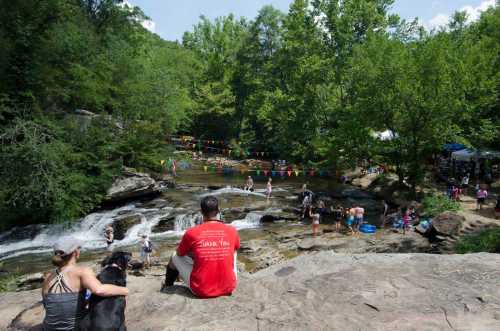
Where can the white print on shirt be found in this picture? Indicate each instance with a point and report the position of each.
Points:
(212, 246)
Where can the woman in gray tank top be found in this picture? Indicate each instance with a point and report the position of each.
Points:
(64, 290)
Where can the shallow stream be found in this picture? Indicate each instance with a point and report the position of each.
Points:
(164, 219)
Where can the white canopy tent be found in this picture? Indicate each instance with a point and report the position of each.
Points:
(386, 135)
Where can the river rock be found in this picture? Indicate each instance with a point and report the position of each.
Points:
(165, 224)
(317, 291)
(122, 224)
(132, 185)
(156, 203)
(448, 223)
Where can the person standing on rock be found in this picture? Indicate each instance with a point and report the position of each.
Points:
(206, 256)
(146, 250)
(249, 184)
(350, 219)
(315, 216)
(269, 188)
(359, 213)
(338, 214)
(406, 220)
(109, 235)
(481, 196)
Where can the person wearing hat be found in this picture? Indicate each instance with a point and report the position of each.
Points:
(63, 291)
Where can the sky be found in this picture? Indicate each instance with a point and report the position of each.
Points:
(171, 18)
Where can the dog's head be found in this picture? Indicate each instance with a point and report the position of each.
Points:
(121, 259)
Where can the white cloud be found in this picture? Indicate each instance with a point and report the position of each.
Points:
(473, 13)
(438, 21)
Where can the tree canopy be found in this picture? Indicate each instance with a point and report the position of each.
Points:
(310, 85)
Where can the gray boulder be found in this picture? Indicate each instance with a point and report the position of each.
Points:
(132, 185)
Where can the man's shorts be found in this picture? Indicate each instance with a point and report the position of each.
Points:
(184, 264)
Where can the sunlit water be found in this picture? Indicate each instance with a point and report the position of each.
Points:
(28, 249)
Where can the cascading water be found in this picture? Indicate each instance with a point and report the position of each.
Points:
(251, 221)
(37, 239)
(89, 229)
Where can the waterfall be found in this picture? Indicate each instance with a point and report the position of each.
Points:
(251, 221)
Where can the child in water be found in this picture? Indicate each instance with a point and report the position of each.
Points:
(315, 221)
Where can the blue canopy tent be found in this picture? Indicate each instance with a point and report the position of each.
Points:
(453, 147)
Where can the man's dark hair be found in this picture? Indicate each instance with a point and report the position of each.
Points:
(209, 206)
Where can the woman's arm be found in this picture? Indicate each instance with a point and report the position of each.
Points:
(90, 282)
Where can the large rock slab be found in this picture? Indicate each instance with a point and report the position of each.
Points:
(132, 185)
(320, 291)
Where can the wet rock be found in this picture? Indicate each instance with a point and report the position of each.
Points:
(30, 282)
(448, 223)
(132, 185)
(232, 214)
(22, 232)
(122, 224)
(156, 203)
(364, 181)
(165, 224)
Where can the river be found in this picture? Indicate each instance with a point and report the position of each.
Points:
(164, 219)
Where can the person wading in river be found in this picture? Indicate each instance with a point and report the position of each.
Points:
(269, 188)
(63, 291)
(249, 184)
(206, 256)
(109, 235)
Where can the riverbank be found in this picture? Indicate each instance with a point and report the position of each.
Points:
(318, 291)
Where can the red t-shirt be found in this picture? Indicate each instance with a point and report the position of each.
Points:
(212, 246)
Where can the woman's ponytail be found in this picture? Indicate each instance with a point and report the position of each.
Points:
(60, 260)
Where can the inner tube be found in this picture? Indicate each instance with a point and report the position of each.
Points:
(368, 228)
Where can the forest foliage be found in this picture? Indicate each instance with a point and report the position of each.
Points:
(310, 85)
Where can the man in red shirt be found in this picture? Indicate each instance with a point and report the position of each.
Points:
(206, 256)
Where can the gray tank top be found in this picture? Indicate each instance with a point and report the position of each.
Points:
(63, 308)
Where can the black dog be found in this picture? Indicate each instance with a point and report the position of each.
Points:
(109, 313)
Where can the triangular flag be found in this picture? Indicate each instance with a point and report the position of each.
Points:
(297, 173)
(266, 172)
(162, 162)
(311, 173)
(289, 173)
(273, 173)
(257, 172)
(205, 168)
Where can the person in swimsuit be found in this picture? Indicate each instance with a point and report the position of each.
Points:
(339, 215)
(315, 216)
(63, 291)
(269, 188)
(359, 213)
(109, 234)
(350, 219)
(249, 184)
